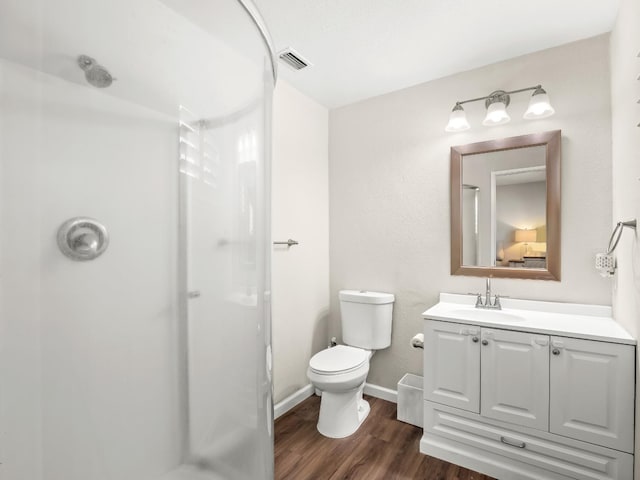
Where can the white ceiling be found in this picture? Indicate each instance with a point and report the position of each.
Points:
(364, 48)
(150, 46)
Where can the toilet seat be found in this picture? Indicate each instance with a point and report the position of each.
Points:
(337, 360)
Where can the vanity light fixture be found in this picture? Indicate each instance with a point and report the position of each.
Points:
(496, 104)
(539, 105)
(458, 120)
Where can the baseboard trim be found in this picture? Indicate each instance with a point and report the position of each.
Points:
(305, 392)
(292, 400)
(381, 392)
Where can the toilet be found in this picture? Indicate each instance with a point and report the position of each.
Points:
(340, 372)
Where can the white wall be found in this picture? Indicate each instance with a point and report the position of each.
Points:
(389, 187)
(625, 92)
(300, 210)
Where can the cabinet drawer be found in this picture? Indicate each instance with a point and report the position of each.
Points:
(573, 459)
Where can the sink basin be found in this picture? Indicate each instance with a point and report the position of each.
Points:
(485, 315)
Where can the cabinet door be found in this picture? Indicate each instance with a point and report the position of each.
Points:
(592, 389)
(515, 377)
(452, 364)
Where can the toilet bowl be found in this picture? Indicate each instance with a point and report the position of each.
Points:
(340, 373)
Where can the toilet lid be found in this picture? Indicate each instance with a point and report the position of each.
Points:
(338, 359)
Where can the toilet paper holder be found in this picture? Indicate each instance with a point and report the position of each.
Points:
(417, 341)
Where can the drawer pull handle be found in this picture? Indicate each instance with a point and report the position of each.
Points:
(512, 443)
(474, 339)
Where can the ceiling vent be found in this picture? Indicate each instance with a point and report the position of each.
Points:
(293, 59)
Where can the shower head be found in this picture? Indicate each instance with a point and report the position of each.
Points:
(96, 74)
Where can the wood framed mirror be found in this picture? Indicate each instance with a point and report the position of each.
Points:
(505, 207)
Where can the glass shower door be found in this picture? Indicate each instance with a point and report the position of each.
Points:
(223, 178)
(148, 362)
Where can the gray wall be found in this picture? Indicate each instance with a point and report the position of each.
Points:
(389, 188)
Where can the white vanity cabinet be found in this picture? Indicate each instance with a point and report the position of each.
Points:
(529, 394)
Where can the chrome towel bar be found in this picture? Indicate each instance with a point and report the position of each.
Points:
(288, 243)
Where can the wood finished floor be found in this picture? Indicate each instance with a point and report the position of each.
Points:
(383, 448)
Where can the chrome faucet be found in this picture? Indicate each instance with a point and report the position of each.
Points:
(495, 305)
(487, 298)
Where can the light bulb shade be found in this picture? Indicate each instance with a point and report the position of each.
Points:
(539, 106)
(496, 115)
(457, 120)
(526, 236)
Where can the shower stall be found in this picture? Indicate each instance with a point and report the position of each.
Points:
(134, 240)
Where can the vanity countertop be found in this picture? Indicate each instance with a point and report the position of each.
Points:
(592, 322)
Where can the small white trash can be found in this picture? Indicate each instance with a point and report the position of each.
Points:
(410, 401)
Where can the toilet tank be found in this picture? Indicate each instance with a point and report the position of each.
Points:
(366, 318)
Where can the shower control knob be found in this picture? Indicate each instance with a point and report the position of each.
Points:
(82, 238)
(485, 342)
(474, 339)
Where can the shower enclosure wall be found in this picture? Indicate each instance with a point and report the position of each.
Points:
(152, 360)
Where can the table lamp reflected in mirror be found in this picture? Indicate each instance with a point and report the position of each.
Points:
(525, 236)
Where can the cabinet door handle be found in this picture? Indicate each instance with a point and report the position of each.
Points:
(513, 443)
(485, 342)
(474, 339)
(556, 351)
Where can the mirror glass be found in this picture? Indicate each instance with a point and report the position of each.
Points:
(504, 208)
(505, 200)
